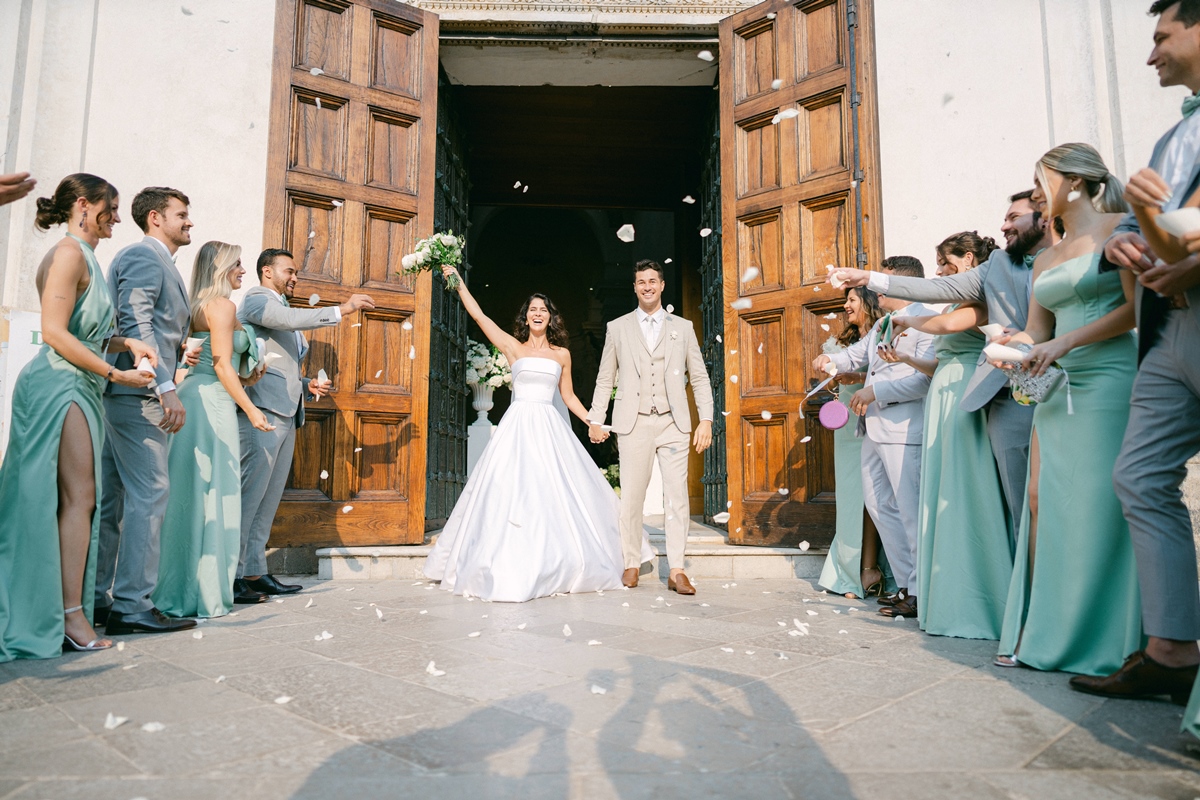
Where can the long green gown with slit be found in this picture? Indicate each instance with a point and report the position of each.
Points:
(1080, 610)
(201, 533)
(841, 572)
(31, 596)
(965, 563)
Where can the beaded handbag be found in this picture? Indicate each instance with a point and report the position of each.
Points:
(1029, 389)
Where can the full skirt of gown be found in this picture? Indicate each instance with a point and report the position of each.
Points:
(537, 517)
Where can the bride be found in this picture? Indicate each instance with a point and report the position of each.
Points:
(536, 517)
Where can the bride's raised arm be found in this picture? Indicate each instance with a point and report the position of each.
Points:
(495, 334)
(567, 389)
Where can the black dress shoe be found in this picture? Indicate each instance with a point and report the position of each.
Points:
(152, 621)
(244, 595)
(100, 615)
(268, 585)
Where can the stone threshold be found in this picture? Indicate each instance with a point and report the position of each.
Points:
(709, 556)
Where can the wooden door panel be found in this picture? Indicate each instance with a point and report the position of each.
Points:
(787, 209)
(350, 191)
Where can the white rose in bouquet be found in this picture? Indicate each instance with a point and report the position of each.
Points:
(447, 239)
(471, 377)
(496, 381)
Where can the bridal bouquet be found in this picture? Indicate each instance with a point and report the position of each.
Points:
(439, 250)
(486, 366)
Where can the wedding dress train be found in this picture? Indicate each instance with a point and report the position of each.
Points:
(537, 515)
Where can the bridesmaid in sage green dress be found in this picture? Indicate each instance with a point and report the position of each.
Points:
(1073, 604)
(201, 533)
(963, 547)
(855, 566)
(51, 471)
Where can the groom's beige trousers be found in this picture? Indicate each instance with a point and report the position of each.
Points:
(654, 435)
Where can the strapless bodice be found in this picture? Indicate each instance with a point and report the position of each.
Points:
(535, 379)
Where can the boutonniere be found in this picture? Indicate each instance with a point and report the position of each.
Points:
(674, 334)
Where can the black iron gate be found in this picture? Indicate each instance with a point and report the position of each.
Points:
(712, 309)
(446, 464)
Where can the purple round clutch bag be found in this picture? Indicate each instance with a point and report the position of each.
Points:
(834, 415)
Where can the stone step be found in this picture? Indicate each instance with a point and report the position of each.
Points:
(708, 556)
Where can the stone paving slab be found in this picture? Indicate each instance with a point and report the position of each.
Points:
(650, 695)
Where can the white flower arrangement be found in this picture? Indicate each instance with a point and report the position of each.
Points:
(441, 249)
(486, 365)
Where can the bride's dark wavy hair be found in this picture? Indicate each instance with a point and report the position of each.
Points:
(556, 332)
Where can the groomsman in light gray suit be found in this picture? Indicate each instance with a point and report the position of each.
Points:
(891, 418)
(267, 455)
(656, 355)
(1003, 283)
(1164, 416)
(152, 305)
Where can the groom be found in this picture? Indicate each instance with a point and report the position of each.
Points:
(656, 355)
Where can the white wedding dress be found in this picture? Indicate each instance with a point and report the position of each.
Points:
(537, 515)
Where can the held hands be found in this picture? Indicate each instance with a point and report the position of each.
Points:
(139, 350)
(1169, 279)
(1043, 355)
(319, 388)
(850, 277)
(259, 420)
(132, 377)
(889, 354)
(1129, 251)
(596, 433)
(357, 302)
(702, 436)
(1147, 188)
(861, 399)
(14, 187)
(174, 413)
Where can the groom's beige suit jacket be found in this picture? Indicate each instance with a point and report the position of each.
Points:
(629, 364)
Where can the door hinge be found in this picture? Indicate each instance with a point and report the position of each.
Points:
(855, 99)
(851, 14)
(862, 260)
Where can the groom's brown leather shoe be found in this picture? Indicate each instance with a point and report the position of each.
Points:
(681, 584)
(1140, 676)
(629, 577)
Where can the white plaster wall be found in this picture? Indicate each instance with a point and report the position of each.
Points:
(970, 97)
(141, 93)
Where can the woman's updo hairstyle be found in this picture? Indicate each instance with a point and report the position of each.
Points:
(1077, 160)
(959, 244)
(56, 210)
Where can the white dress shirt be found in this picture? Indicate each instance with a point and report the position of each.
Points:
(651, 325)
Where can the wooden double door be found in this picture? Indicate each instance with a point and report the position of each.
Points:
(352, 179)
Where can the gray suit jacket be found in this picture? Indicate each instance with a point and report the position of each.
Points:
(1001, 284)
(1130, 224)
(625, 350)
(281, 389)
(152, 305)
(898, 414)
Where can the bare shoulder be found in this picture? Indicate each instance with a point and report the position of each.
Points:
(67, 261)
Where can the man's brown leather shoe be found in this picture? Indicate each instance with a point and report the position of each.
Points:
(1140, 676)
(904, 608)
(629, 577)
(681, 584)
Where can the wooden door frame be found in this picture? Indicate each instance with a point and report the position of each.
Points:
(297, 519)
(825, 298)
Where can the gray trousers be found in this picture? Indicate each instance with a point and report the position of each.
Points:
(266, 463)
(134, 489)
(1163, 433)
(891, 476)
(1009, 428)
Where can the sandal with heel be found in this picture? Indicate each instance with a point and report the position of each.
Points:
(91, 646)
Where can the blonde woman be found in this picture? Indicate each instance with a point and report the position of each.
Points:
(1073, 603)
(201, 534)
